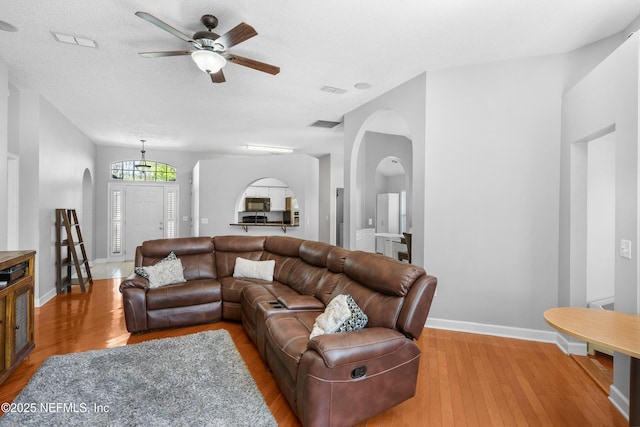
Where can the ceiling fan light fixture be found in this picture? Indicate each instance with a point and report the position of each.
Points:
(208, 61)
(269, 149)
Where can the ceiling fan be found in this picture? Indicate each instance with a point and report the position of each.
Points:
(210, 49)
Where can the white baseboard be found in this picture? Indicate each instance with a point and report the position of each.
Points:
(43, 299)
(510, 332)
(619, 400)
(571, 347)
(495, 330)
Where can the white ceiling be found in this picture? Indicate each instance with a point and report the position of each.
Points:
(117, 97)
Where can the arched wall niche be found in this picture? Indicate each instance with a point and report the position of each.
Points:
(283, 204)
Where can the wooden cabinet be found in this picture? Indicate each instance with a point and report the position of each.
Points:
(16, 311)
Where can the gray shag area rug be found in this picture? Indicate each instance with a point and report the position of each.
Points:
(197, 379)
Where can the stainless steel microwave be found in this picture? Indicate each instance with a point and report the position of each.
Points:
(257, 204)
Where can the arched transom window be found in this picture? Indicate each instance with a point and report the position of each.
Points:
(135, 170)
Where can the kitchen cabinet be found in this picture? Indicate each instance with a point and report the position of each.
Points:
(277, 196)
(257, 192)
(16, 310)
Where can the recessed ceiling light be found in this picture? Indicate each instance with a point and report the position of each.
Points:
(362, 85)
(269, 149)
(79, 41)
(332, 89)
(5, 26)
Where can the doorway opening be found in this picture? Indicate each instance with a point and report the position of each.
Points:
(593, 239)
(139, 212)
(340, 217)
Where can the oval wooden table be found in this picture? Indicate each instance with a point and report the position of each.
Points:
(610, 329)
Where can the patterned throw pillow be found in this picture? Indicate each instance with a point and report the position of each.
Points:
(140, 271)
(165, 273)
(357, 320)
(342, 314)
(334, 315)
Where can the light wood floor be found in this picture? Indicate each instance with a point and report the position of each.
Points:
(465, 379)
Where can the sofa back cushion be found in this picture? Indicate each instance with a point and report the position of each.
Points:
(315, 253)
(284, 251)
(326, 285)
(381, 309)
(379, 286)
(285, 246)
(336, 259)
(301, 264)
(381, 273)
(228, 248)
(195, 253)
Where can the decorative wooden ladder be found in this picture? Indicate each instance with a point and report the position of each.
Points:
(67, 220)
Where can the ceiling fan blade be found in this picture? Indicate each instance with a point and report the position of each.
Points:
(256, 65)
(217, 77)
(236, 35)
(163, 25)
(165, 53)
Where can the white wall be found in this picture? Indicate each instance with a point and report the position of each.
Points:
(408, 102)
(326, 197)
(223, 181)
(39, 131)
(605, 100)
(68, 152)
(601, 217)
(390, 184)
(183, 161)
(378, 146)
(4, 134)
(492, 185)
(23, 117)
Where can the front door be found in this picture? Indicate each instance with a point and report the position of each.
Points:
(144, 210)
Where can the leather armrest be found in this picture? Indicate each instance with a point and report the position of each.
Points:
(356, 346)
(135, 281)
(301, 302)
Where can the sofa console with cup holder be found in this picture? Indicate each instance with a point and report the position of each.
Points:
(336, 327)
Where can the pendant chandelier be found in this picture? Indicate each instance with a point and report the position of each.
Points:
(142, 164)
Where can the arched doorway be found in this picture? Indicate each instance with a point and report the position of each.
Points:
(384, 134)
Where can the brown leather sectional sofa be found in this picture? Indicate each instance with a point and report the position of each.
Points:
(330, 380)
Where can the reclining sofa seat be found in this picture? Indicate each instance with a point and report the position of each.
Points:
(197, 300)
(334, 379)
(345, 378)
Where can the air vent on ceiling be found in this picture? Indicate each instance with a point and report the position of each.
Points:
(332, 89)
(80, 41)
(324, 124)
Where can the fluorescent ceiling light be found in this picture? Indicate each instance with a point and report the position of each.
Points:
(269, 149)
(86, 42)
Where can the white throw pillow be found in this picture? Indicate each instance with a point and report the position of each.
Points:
(262, 270)
(165, 273)
(335, 314)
